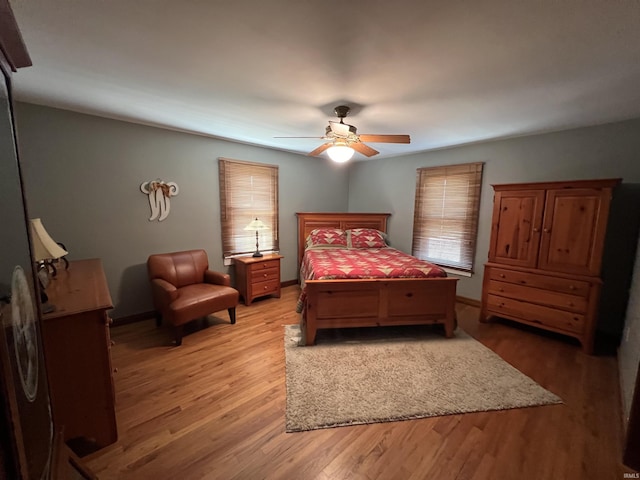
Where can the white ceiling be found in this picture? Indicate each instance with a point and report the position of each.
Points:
(446, 72)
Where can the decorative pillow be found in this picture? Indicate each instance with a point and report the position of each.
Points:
(332, 237)
(366, 238)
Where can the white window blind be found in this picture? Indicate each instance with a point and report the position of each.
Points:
(445, 222)
(248, 191)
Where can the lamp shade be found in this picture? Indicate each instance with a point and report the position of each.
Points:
(256, 225)
(44, 247)
(340, 153)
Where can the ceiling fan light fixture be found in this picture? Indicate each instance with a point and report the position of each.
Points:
(340, 152)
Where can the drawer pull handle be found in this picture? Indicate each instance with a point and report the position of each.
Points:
(546, 230)
(112, 343)
(536, 229)
(570, 304)
(266, 288)
(115, 370)
(502, 275)
(501, 289)
(264, 275)
(571, 287)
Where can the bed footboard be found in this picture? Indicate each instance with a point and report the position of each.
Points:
(378, 302)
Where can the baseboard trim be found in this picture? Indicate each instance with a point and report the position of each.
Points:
(288, 283)
(468, 301)
(136, 317)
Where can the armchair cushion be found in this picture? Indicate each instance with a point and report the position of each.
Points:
(184, 288)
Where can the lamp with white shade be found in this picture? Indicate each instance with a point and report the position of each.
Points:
(45, 248)
(45, 251)
(258, 226)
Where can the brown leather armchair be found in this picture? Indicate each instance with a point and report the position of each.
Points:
(184, 289)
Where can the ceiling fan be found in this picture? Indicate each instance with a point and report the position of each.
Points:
(343, 139)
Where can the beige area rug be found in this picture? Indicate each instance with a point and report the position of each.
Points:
(368, 375)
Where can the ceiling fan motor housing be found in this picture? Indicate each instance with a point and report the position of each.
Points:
(341, 111)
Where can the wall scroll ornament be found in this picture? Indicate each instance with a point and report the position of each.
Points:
(159, 194)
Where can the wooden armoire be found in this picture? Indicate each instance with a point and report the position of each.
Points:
(545, 255)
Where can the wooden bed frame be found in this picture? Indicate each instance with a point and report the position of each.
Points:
(370, 302)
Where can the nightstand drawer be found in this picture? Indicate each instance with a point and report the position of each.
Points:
(265, 265)
(265, 274)
(566, 285)
(535, 314)
(549, 298)
(265, 288)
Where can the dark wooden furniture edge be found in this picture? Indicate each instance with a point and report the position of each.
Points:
(11, 42)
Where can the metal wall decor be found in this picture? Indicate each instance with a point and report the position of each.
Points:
(159, 194)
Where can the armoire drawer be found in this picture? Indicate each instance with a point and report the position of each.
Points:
(546, 282)
(550, 298)
(535, 314)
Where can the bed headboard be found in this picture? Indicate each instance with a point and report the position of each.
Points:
(345, 221)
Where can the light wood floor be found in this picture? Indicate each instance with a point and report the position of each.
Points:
(214, 409)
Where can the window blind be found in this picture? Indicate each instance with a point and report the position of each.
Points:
(248, 191)
(445, 222)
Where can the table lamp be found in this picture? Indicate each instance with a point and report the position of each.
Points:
(256, 225)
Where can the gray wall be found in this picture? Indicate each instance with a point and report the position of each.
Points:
(629, 353)
(83, 175)
(607, 151)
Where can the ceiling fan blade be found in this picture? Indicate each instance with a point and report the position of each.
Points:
(320, 149)
(363, 149)
(385, 138)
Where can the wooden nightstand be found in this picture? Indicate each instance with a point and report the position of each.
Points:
(258, 276)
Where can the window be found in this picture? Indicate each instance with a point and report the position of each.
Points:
(248, 191)
(445, 220)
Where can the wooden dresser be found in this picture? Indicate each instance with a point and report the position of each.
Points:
(77, 349)
(545, 255)
(257, 276)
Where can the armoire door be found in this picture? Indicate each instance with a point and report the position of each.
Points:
(515, 232)
(573, 230)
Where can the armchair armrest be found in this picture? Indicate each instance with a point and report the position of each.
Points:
(217, 278)
(163, 293)
(164, 287)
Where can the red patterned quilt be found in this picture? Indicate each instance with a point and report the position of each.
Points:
(338, 263)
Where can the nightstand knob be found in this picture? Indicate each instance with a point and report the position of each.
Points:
(502, 275)
(571, 287)
(115, 370)
(264, 275)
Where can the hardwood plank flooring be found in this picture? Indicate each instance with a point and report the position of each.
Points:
(214, 408)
